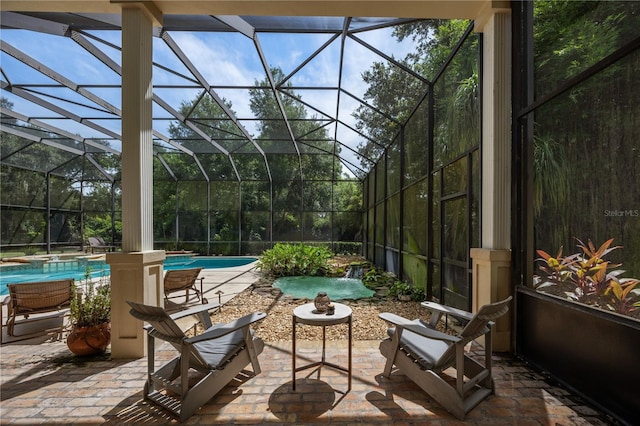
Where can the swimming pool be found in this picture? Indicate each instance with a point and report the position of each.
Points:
(43, 270)
(185, 262)
(336, 288)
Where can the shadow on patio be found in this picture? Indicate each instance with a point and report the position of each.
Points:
(43, 383)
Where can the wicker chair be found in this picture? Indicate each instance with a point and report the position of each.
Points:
(26, 299)
(179, 280)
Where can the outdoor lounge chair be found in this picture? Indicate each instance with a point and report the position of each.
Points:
(422, 353)
(183, 280)
(97, 243)
(218, 354)
(26, 299)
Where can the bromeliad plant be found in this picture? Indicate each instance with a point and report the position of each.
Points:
(587, 277)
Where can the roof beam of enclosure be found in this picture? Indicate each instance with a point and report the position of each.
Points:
(276, 94)
(202, 170)
(5, 76)
(182, 119)
(389, 59)
(249, 31)
(44, 141)
(307, 104)
(199, 132)
(100, 168)
(345, 28)
(337, 120)
(444, 9)
(358, 154)
(346, 162)
(309, 59)
(42, 68)
(238, 24)
(55, 108)
(176, 145)
(371, 107)
(26, 22)
(61, 167)
(17, 151)
(359, 133)
(92, 49)
(54, 129)
(118, 69)
(349, 165)
(205, 84)
(84, 42)
(166, 166)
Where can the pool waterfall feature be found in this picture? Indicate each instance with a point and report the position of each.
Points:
(355, 271)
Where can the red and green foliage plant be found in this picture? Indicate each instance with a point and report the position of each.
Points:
(587, 277)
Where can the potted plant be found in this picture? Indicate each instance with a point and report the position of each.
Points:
(402, 290)
(90, 317)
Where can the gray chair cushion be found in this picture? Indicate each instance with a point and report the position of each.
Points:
(218, 351)
(427, 352)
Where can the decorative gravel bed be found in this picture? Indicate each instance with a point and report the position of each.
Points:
(279, 308)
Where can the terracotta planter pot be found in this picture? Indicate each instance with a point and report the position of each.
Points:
(91, 340)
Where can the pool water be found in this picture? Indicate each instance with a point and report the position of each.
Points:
(336, 288)
(52, 270)
(186, 262)
(58, 270)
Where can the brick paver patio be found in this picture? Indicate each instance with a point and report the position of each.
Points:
(45, 384)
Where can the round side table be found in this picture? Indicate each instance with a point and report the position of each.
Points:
(307, 314)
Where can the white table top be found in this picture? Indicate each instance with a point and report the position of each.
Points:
(306, 314)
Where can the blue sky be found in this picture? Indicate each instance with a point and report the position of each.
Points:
(224, 59)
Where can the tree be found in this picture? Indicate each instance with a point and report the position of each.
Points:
(585, 139)
(179, 177)
(397, 92)
(293, 174)
(26, 166)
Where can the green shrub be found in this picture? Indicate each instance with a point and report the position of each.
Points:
(371, 278)
(286, 260)
(93, 305)
(30, 250)
(376, 277)
(406, 289)
(418, 295)
(400, 288)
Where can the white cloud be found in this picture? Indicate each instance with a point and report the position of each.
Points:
(219, 62)
(226, 59)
